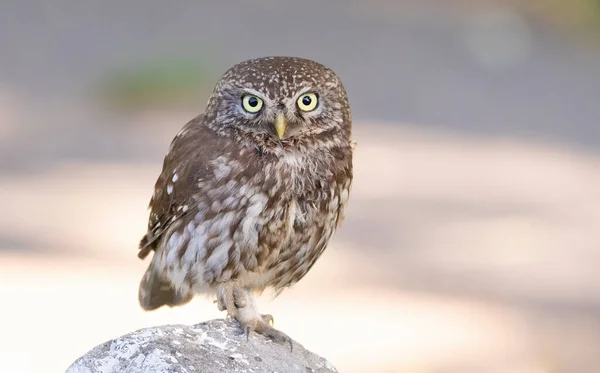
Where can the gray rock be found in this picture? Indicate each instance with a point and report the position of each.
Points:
(213, 346)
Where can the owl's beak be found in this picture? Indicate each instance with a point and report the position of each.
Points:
(280, 125)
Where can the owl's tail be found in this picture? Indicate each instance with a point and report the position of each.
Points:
(156, 291)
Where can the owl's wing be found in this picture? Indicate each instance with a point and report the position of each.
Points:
(173, 194)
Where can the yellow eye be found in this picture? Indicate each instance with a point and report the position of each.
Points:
(308, 102)
(252, 104)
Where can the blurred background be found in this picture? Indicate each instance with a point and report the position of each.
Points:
(471, 242)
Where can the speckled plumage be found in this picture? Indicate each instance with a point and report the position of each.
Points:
(238, 209)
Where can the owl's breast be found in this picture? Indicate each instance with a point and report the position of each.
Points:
(261, 223)
(306, 203)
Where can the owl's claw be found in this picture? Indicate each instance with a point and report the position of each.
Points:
(263, 328)
(268, 318)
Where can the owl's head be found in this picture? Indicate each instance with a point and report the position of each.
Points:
(278, 101)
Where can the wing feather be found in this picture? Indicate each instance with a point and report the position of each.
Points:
(173, 197)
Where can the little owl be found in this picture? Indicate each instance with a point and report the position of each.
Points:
(251, 191)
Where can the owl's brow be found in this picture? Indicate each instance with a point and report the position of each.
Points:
(303, 91)
(247, 90)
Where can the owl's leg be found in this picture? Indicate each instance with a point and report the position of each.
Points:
(252, 321)
(230, 297)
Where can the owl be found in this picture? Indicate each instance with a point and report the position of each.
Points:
(251, 191)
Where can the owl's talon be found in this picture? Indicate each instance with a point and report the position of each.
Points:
(226, 305)
(268, 318)
(262, 327)
(220, 304)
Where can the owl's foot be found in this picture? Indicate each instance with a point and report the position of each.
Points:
(239, 304)
(263, 328)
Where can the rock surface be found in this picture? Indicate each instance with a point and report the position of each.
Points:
(214, 346)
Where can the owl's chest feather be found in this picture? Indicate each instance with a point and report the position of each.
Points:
(259, 218)
(296, 186)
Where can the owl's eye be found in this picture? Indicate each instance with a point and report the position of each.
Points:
(307, 101)
(252, 104)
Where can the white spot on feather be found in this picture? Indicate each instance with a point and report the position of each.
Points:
(196, 250)
(221, 168)
(219, 258)
(247, 233)
(344, 196)
(169, 189)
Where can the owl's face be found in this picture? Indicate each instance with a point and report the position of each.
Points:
(278, 100)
